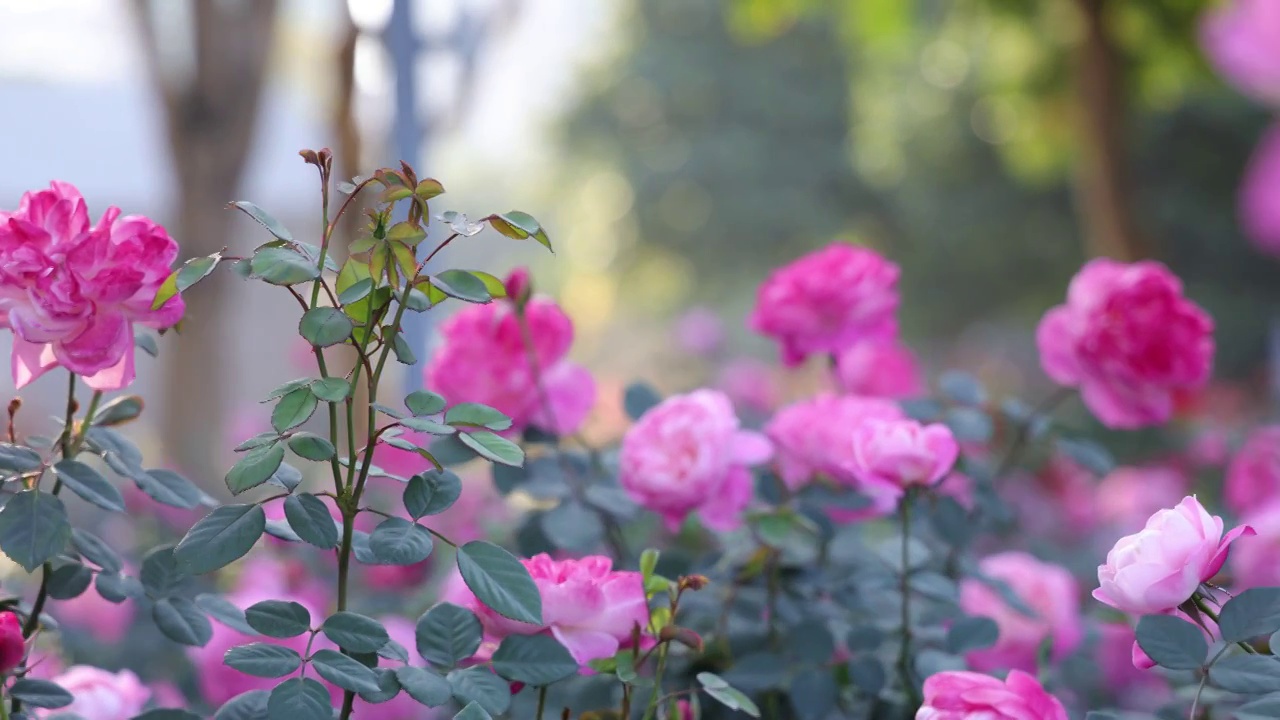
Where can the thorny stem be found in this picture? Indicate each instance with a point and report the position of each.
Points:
(904, 652)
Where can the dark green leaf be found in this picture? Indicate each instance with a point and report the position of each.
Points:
(95, 550)
(404, 352)
(493, 448)
(1252, 613)
(1172, 642)
(500, 581)
(299, 699)
(1090, 455)
(33, 528)
(225, 612)
(278, 618)
(191, 272)
(447, 634)
(811, 641)
(355, 632)
(961, 387)
(518, 226)
(572, 526)
(473, 711)
(168, 487)
(397, 541)
(311, 447)
(359, 291)
(181, 621)
(17, 458)
(717, 688)
(331, 389)
(427, 426)
(69, 580)
(257, 465)
(167, 714)
(263, 218)
(534, 660)
(424, 686)
(282, 266)
(263, 659)
(971, 633)
(293, 409)
(310, 519)
(868, 674)
(251, 705)
(89, 485)
(118, 411)
(479, 685)
(449, 450)
(424, 402)
(431, 492)
(462, 285)
(1264, 708)
(117, 588)
(40, 693)
(1246, 674)
(813, 694)
(220, 538)
(476, 415)
(639, 398)
(345, 672)
(325, 326)
(970, 424)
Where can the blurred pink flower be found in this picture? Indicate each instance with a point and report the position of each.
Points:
(884, 368)
(1253, 564)
(1160, 567)
(101, 695)
(13, 647)
(1132, 685)
(827, 301)
(483, 358)
(687, 454)
(902, 453)
(1129, 339)
(588, 606)
(105, 621)
(1260, 192)
(700, 332)
(1240, 38)
(71, 292)
(1253, 477)
(959, 695)
(1209, 449)
(1048, 590)
(750, 384)
(1127, 496)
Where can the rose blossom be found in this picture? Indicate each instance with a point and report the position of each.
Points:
(586, 605)
(1129, 339)
(101, 695)
(71, 292)
(483, 358)
(688, 454)
(1253, 477)
(902, 453)
(828, 300)
(1159, 568)
(12, 645)
(1240, 38)
(884, 368)
(1048, 590)
(1259, 198)
(959, 695)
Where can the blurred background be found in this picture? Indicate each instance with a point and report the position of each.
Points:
(676, 151)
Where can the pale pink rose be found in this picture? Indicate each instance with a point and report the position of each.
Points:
(101, 695)
(1161, 566)
(960, 695)
(588, 606)
(1260, 193)
(688, 454)
(827, 301)
(750, 384)
(1127, 496)
(89, 612)
(1240, 37)
(1130, 683)
(71, 291)
(1129, 339)
(902, 453)
(1048, 590)
(884, 368)
(483, 358)
(1253, 477)
(1253, 564)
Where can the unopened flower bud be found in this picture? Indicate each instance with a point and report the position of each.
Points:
(519, 286)
(694, 582)
(12, 644)
(684, 636)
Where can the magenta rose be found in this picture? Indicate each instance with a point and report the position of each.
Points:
(1129, 339)
(1253, 477)
(1048, 590)
(483, 358)
(588, 606)
(960, 695)
(1260, 193)
(101, 695)
(1240, 38)
(12, 645)
(883, 368)
(71, 292)
(1160, 567)
(902, 453)
(688, 454)
(827, 301)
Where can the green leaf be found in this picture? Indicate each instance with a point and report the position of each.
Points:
(311, 447)
(1172, 642)
(388, 686)
(278, 618)
(263, 659)
(181, 621)
(518, 226)
(479, 685)
(397, 541)
(345, 672)
(716, 687)
(500, 581)
(299, 699)
(493, 448)
(40, 693)
(118, 411)
(282, 266)
(167, 714)
(18, 458)
(117, 588)
(477, 415)
(406, 232)
(95, 550)
(191, 272)
(168, 487)
(404, 352)
(1252, 613)
(225, 612)
(1246, 674)
(462, 285)
(286, 476)
(255, 467)
(358, 291)
(1088, 454)
(431, 427)
(534, 660)
(325, 326)
(971, 633)
(431, 493)
(331, 389)
(355, 632)
(89, 485)
(221, 537)
(33, 528)
(1264, 708)
(473, 711)
(293, 409)
(419, 402)
(68, 580)
(424, 686)
(263, 218)
(639, 398)
(311, 520)
(161, 574)
(447, 634)
(492, 283)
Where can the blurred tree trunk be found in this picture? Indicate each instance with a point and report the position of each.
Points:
(1104, 192)
(209, 76)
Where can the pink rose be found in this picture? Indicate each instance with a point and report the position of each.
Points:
(1048, 590)
(1127, 496)
(967, 695)
(902, 453)
(1160, 567)
(1253, 564)
(101, 695)
(483, 358)
(588, 606)
(72, 292)
(12, 645)
(1240, 37)
(1129, 340)
(1260, 193)
(1253, 477)
(688, 454)
(750, 384)
(883, 368)
(827, 301)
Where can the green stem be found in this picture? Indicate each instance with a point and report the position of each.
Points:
(1204, 608)
(904, 652)
(542, 702)
(651, 711)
